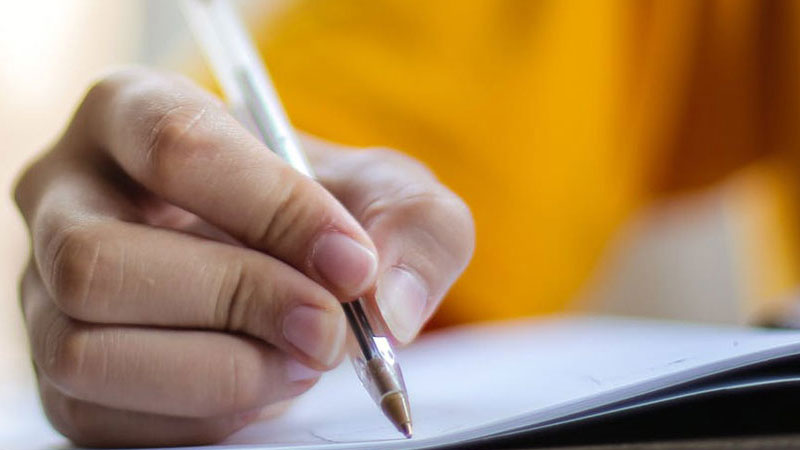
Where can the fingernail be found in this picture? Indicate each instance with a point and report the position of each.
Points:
(297, 371)
(343, 262)
(402, 299)
(315, 332)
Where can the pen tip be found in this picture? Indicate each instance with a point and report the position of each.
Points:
(395, 406)
(407, 430)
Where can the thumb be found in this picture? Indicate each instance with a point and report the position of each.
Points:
(424, 244)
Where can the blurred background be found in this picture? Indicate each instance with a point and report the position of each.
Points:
(49, 50)
(680, 257)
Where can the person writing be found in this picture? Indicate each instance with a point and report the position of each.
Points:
(184, 281)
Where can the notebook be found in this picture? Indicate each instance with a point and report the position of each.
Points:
(555, 381)
(524, 380)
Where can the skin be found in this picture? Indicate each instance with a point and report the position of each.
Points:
(170, 249)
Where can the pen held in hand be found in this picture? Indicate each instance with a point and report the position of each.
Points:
(248, 90)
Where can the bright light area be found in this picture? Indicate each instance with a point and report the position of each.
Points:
(36, 37)
(50, 50)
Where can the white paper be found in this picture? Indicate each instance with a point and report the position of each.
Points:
(482, 380)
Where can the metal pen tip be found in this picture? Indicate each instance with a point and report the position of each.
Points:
(395, 406)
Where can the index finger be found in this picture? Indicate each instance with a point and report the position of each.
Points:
(180, 143)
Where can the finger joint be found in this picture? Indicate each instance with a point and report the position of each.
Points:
(74, 268)
(171, 143)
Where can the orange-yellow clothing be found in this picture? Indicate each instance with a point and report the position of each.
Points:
(554, 120)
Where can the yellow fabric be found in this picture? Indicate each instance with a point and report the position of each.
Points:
(554, 120)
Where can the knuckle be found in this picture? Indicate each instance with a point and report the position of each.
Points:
(27, 188)
(163, 112)
(64, 353)
(73, 268)
(108, 87)
(22, 185)
(248, 302)
(233, 299)
(173, 142)
(292, 205)
(435, 216)
(101, 92)
(240, 386)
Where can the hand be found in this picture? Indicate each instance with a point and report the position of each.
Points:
(185, 281)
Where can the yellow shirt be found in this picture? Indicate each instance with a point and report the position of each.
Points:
(554, 120)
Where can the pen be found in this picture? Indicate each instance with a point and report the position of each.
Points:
(250, 94)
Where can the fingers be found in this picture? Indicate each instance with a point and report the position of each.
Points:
(169, 136)
(100, 269)
(424, 233)
(92, 425)
(157, 371)
(122, 273)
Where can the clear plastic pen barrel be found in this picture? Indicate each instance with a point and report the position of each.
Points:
(377, 368)
(251, 96)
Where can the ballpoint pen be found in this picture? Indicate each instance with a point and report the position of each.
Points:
(249, 92)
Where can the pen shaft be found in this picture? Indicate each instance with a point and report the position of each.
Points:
(271, 123)
(247, 87)
(362, 330)
(244, 79)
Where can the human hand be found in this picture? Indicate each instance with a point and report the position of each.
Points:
(184, 280)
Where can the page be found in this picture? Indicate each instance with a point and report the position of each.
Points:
(481, 380)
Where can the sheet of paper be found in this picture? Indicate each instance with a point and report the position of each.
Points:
(481, 380)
